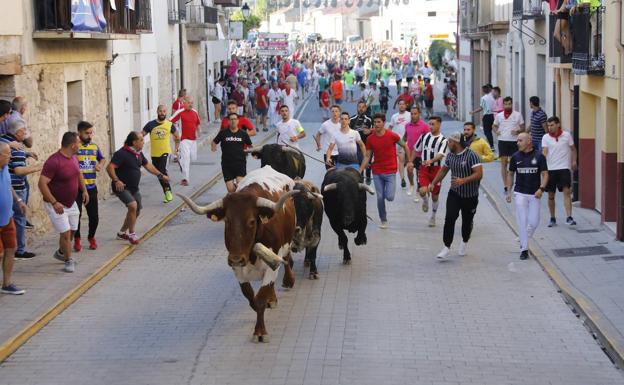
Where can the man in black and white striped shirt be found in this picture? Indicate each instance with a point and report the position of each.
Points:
(433, 147)
(466, 174)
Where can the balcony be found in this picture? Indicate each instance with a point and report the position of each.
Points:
(59, 19)
(227, 3)
(201, 23)
(528, 9)
(556, 54)
(588, 56)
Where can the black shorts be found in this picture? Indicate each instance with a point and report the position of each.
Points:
(507, 148)
(429, 103)
(233, 170)
(563, 15)
(358, 79)
(215, 100)
(409, 79)
(559, 179)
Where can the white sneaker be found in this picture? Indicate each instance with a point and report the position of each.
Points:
(432, 221)
(443, 254)
(410, 191)
(416, 199)
(425, 204)
(70, 266)
(462, 249)
(384, 225)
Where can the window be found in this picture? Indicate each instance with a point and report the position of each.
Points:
(431, 14)
(74, 104)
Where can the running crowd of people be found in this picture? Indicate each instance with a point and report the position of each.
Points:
(410, 142)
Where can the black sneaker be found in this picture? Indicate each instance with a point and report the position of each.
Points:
(25, 255)
(368, 181)
(552, 223)
(29, 225)
(403, 184)
(524, 255)
(570, 221)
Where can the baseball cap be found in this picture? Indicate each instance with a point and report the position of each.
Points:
(455, 137)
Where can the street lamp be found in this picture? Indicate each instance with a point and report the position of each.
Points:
(245, 10)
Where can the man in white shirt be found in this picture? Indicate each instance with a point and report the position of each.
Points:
(507, 125)
(289, 95)
(289, 131)
(345, 142)
(397, 124)
(560, 152)
(487, 107)
(324, 136)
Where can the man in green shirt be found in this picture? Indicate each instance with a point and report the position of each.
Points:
(373, 74)
(386, 71)
(349, 79)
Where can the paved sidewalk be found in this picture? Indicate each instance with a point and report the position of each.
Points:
(42, 277)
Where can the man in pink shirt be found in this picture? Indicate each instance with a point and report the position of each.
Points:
(413, 131)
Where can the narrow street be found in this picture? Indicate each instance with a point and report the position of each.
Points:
(172, 312)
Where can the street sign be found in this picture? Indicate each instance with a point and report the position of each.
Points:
(236, 30)
(272, 44)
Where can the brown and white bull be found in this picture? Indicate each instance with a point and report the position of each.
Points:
(259, 227)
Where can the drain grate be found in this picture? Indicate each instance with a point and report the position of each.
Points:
(584, 231)
(613, 258)
(581, 251)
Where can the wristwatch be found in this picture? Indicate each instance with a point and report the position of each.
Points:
(542, 189)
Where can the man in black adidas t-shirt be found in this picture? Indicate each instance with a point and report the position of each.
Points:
(233, 157)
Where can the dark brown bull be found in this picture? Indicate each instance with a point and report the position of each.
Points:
(259, 228)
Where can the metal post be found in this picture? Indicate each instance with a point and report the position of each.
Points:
(575, 134)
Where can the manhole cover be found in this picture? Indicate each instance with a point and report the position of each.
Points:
(581, 251)
(583, 231)
(203, 163)
(613, 258)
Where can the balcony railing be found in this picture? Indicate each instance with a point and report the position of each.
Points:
(556, 53)
(201, 23)
(56, 16)
(588, 56)
(527, 9)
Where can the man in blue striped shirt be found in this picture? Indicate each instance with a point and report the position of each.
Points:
(538, 123)
(19, 169)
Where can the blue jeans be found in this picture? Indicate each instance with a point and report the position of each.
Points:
(20, 222)
(537, 145)
(352, 165)
(385, 186)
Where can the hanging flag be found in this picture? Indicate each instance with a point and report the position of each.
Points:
(130, 4)
(113, 5)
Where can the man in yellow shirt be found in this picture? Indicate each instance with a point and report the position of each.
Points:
(476, 144)
(160, 131)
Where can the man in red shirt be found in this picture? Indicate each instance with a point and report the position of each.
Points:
(429, 97)
(189, 126)
(59, 183)
(406, 97)
(178, 104)
(382, 145)
(243, 123)
(262, 105)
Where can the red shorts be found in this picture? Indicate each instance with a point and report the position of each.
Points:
(8, 237)
(426, 174)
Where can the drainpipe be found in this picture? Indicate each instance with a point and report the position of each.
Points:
(620, 164)
(576, 138)
(180, 40)
(109, 97)
(522, 73)
(207, 86)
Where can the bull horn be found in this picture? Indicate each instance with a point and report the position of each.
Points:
(368, 188)
(330, 187)
(254, 149)
(268, 256)
(201, 210)
(313, 195)
(276, 206)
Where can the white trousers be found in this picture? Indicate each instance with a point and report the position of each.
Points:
(527, 216)
(188, 153)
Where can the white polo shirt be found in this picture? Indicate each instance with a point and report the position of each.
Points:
(559, 151)
(505, 126)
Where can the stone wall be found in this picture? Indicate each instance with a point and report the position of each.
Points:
(45, 87)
